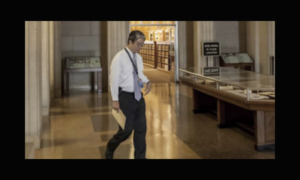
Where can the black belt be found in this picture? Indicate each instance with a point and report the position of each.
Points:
(120, 89)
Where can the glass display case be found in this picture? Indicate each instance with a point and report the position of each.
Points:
(238, 60)
(83, 62)
(238, 98)
(238, 82)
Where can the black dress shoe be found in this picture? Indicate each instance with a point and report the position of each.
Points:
(108, 154)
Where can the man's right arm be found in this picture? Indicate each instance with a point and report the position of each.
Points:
(115, 69)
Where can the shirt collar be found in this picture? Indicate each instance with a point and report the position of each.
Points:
(131, 54)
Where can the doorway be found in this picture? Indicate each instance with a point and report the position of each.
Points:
(159, 51)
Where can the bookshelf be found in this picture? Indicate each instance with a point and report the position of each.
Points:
(148, 53)
(163, 56)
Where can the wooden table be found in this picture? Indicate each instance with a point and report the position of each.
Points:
(231, 109)
(97, 75)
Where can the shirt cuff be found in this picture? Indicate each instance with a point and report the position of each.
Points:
(115, 98)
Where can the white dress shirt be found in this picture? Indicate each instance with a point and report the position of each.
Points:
(121, 75)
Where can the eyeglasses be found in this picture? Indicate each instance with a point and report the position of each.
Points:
(139, 44)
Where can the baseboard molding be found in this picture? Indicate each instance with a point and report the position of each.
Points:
(34, 139)
(80, 87)
(29, 150)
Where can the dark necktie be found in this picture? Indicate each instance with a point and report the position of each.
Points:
(137, 91)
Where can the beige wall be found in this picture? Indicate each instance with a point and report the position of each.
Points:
(227, 33)
(80, 38)
(232, 35)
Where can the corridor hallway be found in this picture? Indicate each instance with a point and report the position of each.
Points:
(80, 125)
(157, 76)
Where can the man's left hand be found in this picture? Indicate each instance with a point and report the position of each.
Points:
(148, 88)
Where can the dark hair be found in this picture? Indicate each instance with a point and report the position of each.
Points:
(135, 35)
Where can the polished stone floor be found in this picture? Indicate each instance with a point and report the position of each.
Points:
(80, 125)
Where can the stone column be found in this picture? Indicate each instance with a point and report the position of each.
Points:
(253, 45)
(57, 60)
(104, 58)
(185, 44)
(182, 44)
(264, 47)
(271, 43)
(250, 39)
(33, 116)
(51, 58)
(117, 36)
(203, 32)
(45, 69)
(260, 44)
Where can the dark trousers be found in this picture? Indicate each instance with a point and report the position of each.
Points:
(134, 112)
